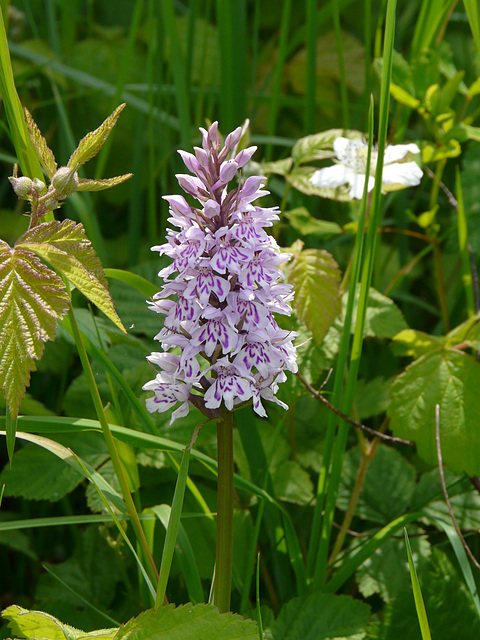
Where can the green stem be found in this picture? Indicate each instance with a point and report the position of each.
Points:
(224, 551)
(368, 451)
(441, 287)
(112, 450)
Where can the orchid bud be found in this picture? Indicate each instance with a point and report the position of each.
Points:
(244, 156)
(233, 138)
(228, 171)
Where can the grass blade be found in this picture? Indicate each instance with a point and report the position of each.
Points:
(27, 159)
(462, 230)
(417, 594)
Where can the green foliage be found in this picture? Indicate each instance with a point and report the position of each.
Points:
(447, 602)
(386, 571)
(30, 624)
(388, 486)
(57, 478)
(321, 616)
(33, 299)
(188, 622)
(316, 279)
(66, 247)
(446, 378)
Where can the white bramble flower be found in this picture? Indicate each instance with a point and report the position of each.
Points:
(220, 291)
(351, 155)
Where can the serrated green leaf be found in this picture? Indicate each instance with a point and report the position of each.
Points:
(468, 330)
(316, 280)
(292, 483)
(300, 179)
(371, 398)
(322, 616)
(66, 247)
(91, 144)
(413, 343)
(388, 486)
(42, 150)
(449, 606)
(188, 622)
(32, 300)
(37, 624)
(448, 378)
(277, 167)
(320, 145)
(301, 220)
(85, 184)
(383, 318)
(386, 571)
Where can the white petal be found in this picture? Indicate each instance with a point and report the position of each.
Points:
(406, 173)
(339, 145)
(332, 177)
(398, 151)
(357, 184)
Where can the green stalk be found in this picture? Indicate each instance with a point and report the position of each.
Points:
(224, 549)
(344, 400)
(311, 47)
(26, 157)
(278, 72)
(172, 529)
(440, 281)
(177, 63)
(339, 379)
(462, 230)
(341, 64)
(112, 450)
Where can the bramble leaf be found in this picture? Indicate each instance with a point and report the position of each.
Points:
(448, 378)
(37, 624)
(85, 184)
(91, 144)
(316, 280)
(300, 179)
(66, 247)
(188, 622)
(42, 150)
(413, 343)
(301, 220)
(32, 300)
(322, 616)
(320, 145)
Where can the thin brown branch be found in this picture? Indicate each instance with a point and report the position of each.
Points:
(444, 489)
(451, 198)
(358, 425)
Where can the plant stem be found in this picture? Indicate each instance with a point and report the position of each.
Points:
(441, 288)
(224, 550)
(368, 450)
(112, 450)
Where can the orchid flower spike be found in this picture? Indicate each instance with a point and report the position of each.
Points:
(222, 346)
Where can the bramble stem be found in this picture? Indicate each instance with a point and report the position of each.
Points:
(224, 550)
